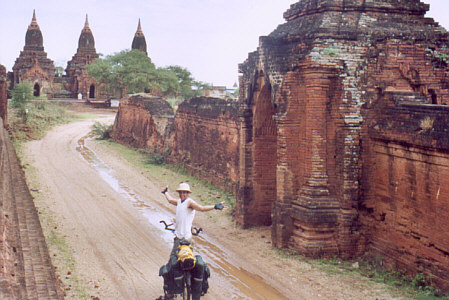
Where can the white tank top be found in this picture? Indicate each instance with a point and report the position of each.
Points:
(184, 220)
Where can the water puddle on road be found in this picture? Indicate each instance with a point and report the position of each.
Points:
(241, 283)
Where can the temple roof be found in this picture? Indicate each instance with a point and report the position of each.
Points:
(33, 38)
(86, 40)
(139, 42)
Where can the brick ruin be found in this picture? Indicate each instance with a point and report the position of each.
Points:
(79, 82)
(203, 136)
(3, 97)
(33, 65)
(315, 96)
(26, 271)
(144, 122)
(339, 138)
(205, 140)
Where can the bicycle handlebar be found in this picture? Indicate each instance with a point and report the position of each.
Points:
(195, 231)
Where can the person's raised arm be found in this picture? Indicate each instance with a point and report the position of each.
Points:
(196, 206)
(169, 198)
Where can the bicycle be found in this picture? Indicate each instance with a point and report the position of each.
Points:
(184, 271)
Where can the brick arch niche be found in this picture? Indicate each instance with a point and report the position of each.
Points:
(258, 160)
(36, 90)
(92, 91)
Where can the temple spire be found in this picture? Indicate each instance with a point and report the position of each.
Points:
(86, 24)
(34, 24)
(139, 31)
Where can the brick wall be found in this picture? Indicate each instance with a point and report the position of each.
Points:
(405, 177)
(205, 140)
(144, 122)
(202, 137)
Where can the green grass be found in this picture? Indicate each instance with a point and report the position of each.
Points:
(372, 269)
(205, 192)
(41, 117)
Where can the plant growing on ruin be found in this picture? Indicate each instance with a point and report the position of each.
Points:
(330, 52)
(426, 124)
(441, 59)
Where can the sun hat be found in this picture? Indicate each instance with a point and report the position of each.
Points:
(184, 187)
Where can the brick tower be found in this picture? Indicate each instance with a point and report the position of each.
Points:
(33, 65)
(139, 42)
(309, 97)
(79, 80)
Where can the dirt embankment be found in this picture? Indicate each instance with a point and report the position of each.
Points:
(117, 247)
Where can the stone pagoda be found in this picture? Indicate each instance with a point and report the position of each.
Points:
(139, 42)
(33, 65)
(79, 82)
(339, 75)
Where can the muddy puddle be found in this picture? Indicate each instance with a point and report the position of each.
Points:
(241, 283)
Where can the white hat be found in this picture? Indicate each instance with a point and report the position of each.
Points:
(184, 187)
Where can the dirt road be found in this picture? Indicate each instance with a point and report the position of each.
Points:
(109, 211)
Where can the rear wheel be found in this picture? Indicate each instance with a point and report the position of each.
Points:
(186, 295)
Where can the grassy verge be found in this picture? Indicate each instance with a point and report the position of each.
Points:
(372, 269)
(205, 192)
(41, 117)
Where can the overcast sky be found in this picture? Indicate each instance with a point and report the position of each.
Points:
(208, 37)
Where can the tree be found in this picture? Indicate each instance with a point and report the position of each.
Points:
(59, 71)
(188, 86)
(129, 71)
(21, 95)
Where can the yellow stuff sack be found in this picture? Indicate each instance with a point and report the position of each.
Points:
(186, 259)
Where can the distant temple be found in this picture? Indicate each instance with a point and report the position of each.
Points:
(78, 79)
(139, 42)
(33, 65)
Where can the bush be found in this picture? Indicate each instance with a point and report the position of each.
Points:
(21, 96)
(157, 156)
(102, 131)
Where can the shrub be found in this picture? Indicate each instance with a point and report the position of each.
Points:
(21, 96)
(157, 156)
(102, 131)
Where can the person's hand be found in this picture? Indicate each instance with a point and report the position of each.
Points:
(220, 206)
(165, 190)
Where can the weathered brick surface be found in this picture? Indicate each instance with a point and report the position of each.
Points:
(3, 97)
(319, 77)
(144, 122)
(33, 65)
(202, 137)
(26, 270)
(205, 140)
(405, 178)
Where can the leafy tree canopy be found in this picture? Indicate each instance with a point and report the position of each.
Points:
(132, 71)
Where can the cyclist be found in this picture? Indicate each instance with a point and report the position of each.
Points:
(185, 213)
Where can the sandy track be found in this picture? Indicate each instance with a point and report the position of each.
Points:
(119, 251)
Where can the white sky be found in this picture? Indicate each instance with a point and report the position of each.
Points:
(208, 37)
